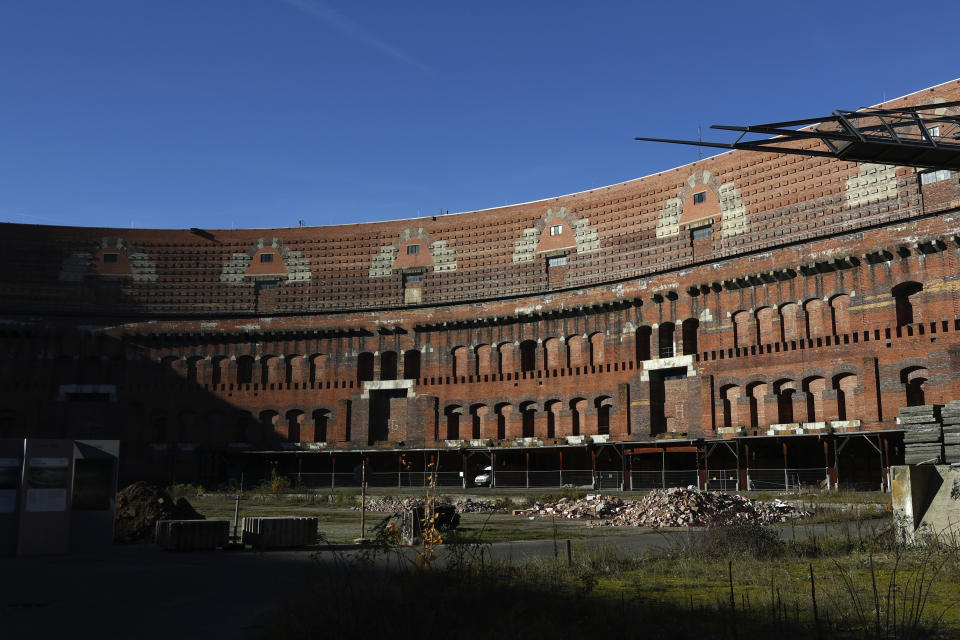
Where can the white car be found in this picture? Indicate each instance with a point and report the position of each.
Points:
(484, 477)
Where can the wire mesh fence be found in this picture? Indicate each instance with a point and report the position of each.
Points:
(663, 479)
(785, 479)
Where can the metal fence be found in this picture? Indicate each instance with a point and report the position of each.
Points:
(717, 479)
(723, 480)
(664, 479)
(785, 479)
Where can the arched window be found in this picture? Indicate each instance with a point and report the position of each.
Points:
(767, 326)
(840, 314)
(904, 297)
(596, 349)
(914, 379)
(691, 327)
(528, 413)
(460, 367)
(293, 425)
(603, 405)
(742, 337)
(321, 418)
(245, 370)
(644, 335)
(411, 364)
(365, 366)
(388, 365)
(528, 355)
(666, 340)
(453, 413)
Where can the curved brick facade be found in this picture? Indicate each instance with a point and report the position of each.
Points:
(708, 301)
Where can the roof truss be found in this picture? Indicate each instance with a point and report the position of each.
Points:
(924, 136)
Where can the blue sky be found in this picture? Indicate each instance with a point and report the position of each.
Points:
(260, 113)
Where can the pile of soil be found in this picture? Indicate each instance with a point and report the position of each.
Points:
(140, 506)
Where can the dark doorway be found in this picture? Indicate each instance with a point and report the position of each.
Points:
(379, 426)
(658, 397)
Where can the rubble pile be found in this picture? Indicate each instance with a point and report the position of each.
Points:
(466, 505)
(396, 505)
(667, 508)
(591, 507)
(140, 506)
(390, 504)
(692, 508)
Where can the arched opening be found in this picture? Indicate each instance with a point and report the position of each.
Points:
(293, 425)
(483, 353)
(741, 330)
(904, 298)
(577, 406)
(552, 407)
(216, 369)
(691, 327)
(268, 425)
(666, 339)
(574, 351)
(551, 353)
(453, 413)
(318, 365)
(528, 412)
(460, 365)
(914, 379)
(245, 370)
(596, 349)
(644, 335)
(728, 395)
(506, 364)
(292, 368)
(845, 385)
(268, 365)
(388, 365)
(411, 364)
(840, 314)
(603, 405)
(817, 326)
(756, 391)
(789, 327)
(528, 355)
(767, 326)
(784, 390)
(814, 387)
(365, 366)
(192, 368)
(502, 410)
(321, 418)
(477, 413)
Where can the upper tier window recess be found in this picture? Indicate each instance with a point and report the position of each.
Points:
(699, 197)
(930, 177)
(266, 257)
(111, 257)
(556, 229)
(413, 248)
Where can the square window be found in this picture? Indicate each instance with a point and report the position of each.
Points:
(699, 197)
(111, 257)
(412, 249)
(934, 131)
(702, 232)
(266, 257)
(556, 229)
